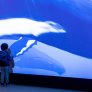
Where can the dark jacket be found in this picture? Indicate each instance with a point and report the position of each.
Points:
(5, 58)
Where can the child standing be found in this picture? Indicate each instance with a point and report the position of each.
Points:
(5, 59)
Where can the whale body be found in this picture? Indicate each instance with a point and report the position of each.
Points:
(28, 26)
(27, 30)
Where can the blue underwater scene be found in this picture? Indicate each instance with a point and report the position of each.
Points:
(48, 37)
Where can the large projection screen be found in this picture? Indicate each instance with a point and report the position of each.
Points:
(48, 37)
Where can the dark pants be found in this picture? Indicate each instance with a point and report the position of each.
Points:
(5, 74)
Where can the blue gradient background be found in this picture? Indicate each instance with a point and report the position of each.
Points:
(74, 16)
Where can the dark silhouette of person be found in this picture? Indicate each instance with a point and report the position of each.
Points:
(5, 67)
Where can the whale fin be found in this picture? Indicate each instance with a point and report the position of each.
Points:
(22, 45)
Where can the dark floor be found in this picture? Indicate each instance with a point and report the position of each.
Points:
(21, 88)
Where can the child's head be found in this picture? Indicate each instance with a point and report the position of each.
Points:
(4, 46)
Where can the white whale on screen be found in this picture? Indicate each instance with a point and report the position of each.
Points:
(16, 28)
(28, 26)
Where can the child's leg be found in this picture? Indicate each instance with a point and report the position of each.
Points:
(2, 74)
(7, 74)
